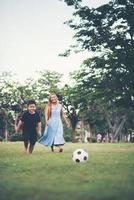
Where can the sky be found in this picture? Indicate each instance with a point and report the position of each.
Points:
(33, 34)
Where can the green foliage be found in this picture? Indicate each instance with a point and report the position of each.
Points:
(94, 140)
(66, 98)
(68, 135)
(105, 81)
(47, 83)
(16, 137)
(1, 139)
(109, 29)
(72, 2)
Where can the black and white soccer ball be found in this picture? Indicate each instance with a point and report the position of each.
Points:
(80, 155)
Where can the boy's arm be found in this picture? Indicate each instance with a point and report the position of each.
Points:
(39, 128)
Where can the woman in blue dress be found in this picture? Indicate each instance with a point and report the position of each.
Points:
(53, 134)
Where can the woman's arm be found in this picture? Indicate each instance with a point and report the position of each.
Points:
(64, 118)
(18, 126)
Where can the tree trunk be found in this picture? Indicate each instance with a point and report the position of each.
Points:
(82, 131)
(120, 127)
(73, 135)
(115, 127)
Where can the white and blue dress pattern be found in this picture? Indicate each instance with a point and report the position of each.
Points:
(53, 134)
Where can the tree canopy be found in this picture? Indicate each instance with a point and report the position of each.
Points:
(106, 80)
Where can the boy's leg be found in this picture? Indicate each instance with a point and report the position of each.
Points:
(32, 143)
(25, 146)
(31, 148)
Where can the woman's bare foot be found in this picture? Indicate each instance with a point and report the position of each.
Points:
(60, 150)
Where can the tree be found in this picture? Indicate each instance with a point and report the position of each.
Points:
(109, 31)
(66, 98)
(48, 82)
(7, 88)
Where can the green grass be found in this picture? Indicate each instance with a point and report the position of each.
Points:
(108, 175)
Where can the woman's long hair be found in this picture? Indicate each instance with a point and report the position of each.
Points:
(49, 104)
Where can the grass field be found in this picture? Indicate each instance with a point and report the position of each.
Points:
(108, 175)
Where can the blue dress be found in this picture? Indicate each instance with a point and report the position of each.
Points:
(53, 134)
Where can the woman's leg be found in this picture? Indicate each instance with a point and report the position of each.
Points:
(52, 148)
(60, 148)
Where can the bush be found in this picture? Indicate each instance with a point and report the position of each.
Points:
(67, 138)
(1, 139)
(15, 137)
(68, 135)
(94, 139)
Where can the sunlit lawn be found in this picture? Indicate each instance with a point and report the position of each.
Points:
(108, 175)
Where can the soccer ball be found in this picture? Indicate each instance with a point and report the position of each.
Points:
(80, 155)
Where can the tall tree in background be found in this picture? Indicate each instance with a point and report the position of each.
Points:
(48, 82)
(109, 31)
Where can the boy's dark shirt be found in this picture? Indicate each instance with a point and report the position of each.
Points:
(30, 122)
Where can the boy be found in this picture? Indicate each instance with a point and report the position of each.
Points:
(30, 123)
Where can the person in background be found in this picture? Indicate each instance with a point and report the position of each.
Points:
(99, 137)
